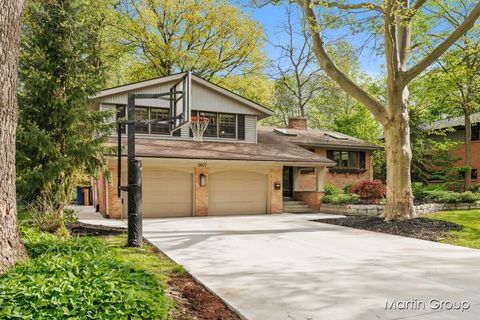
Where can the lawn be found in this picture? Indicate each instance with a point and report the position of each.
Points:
(469, 219)
(87, 278)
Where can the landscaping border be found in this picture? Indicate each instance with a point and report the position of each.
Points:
(377, 210)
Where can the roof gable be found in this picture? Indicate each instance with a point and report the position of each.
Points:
(205, 96)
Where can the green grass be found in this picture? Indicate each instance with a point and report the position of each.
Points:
(86, 278)
(469, 219)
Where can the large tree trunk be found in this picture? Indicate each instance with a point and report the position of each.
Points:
(12, 249)
(398, 151)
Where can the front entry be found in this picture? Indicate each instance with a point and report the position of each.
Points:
(288, 182)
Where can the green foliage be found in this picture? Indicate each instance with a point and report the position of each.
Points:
(439, 193)
(79, 278)
(336, 195)
(209, 37)
(332, 190)
(60, 137)
(349, 198)
(379, 165)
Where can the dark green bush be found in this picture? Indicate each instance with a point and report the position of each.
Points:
(79, 278)
(443, 196)
(348, 198)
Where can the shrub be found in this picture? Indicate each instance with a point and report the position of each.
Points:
(347, 188)
(370, 190)
(444, 196)
(348, 198)
(80, 278)
(332, 190)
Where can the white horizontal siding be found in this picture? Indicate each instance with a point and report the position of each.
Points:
(250, 129)
(203, 98)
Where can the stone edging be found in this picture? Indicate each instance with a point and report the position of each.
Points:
(376, 210)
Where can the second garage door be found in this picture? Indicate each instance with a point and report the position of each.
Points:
(167, 193)
(237, 192)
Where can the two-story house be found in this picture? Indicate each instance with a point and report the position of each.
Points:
(239, 168)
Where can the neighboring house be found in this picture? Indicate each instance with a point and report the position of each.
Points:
(240, 168)
(458, 134)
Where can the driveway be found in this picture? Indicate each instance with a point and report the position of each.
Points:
(287, 267)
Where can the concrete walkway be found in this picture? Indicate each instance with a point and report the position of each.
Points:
(287, 267)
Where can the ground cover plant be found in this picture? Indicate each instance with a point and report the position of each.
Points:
(82, 277)
(89, 273)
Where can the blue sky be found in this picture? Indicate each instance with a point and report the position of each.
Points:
(273, 16)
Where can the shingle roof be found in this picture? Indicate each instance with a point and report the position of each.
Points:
(452, 122)
(270, 147)
(320, 138)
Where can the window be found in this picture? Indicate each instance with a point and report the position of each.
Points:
(227, 125)
(347, 159)
(211, 130)
(220, 125)
(141, 114)
(476, 133)
(159, 114)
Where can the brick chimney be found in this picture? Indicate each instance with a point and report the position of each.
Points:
(299, 123)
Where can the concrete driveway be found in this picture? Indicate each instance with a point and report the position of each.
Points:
(286, 267)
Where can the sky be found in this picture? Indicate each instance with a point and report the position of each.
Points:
(273, 16)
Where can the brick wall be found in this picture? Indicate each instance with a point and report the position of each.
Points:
(201, 193)
(312, 198)
(276, 196)
(114, 206)
(475, 154)
(339, 180)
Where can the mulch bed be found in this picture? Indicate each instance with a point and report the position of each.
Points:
(419, 228)
(195, 302)
(83, 229)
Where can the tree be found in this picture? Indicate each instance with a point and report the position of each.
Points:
(296, 73)
(60, 136)
(210, 38)
(397, 27)
(455, 79)
(12, 249)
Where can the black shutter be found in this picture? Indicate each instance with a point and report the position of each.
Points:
(330, 154)
(241, 127)
(362, 160)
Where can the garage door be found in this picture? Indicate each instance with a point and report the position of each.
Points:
(167, 193)
(237, 192)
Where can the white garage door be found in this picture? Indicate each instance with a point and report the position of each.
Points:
(237, 192)
(167, 193)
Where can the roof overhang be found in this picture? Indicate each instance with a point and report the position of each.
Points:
(339, 146)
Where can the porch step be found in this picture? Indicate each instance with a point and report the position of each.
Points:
(295, 206)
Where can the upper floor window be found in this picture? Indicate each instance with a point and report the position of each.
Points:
(347, 159)
(220, 125)
(141, 114)
(227, 125)
(162, 115)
